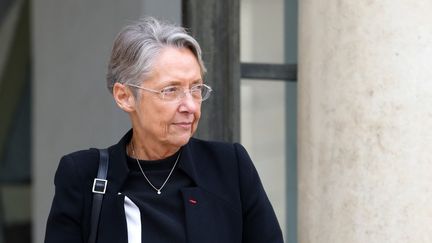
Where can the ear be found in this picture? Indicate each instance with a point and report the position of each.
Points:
(123, 97)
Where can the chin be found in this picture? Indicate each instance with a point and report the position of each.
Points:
(181, 140)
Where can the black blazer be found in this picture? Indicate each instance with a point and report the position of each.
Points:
(231, 205)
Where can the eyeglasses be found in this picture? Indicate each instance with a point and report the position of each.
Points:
(199, 92)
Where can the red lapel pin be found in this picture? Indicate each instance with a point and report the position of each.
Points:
(192, 201)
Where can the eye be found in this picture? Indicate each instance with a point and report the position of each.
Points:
(197, 88)
(170, 90)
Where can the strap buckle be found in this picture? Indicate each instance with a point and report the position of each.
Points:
(99, 186)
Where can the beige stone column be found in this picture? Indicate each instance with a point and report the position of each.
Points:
(365, 121)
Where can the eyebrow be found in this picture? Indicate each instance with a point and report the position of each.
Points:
(198, 81)
(177, 83)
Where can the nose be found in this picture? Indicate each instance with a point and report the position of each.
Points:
(188, 103)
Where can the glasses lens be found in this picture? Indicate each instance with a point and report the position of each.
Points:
(171, 93)
(198, 92)
(205, 92)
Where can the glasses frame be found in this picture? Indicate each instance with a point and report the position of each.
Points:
(178, 98)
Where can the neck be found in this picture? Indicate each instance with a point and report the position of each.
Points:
(140, 149)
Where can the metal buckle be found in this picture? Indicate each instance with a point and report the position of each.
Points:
(99, 186)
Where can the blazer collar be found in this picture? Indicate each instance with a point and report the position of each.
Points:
(118, 169)
(187, 162)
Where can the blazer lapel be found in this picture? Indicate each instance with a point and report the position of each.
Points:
(197, 212)
(209, 218)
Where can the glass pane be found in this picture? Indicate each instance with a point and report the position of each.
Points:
(262, 31)
(263, 135)
(263, 101)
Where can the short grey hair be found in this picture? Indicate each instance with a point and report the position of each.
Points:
(138, 45)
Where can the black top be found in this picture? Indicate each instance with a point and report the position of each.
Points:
(162, 215)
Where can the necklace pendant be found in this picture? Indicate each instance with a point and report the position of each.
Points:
(159, 192)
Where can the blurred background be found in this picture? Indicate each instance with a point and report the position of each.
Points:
(53, 99)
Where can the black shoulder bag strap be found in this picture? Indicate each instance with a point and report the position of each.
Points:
(99, 188)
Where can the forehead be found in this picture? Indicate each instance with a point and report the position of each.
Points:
(176, 64)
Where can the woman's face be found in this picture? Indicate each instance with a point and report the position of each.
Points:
(164, 122)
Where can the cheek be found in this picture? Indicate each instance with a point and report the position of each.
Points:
(197, 118)
(199, 111)
(165, 119)
(156, 118)
(166, 116)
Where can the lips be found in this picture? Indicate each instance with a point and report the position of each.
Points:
(185, 125)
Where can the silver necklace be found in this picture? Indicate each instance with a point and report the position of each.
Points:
(158, 190)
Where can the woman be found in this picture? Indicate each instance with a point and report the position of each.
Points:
(163, 185)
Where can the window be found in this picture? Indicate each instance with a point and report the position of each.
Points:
(268, 100)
